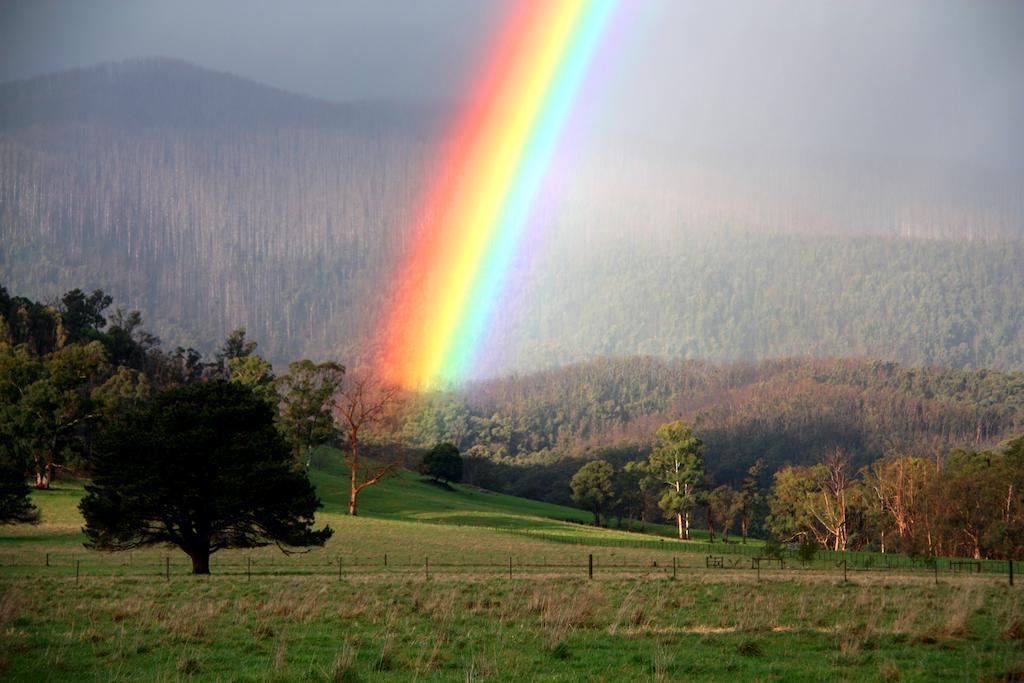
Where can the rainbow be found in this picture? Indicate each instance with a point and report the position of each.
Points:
(469, 224)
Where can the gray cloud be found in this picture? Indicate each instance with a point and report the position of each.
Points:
(356, 49)
(935, 80)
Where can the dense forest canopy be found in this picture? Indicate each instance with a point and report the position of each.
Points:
(209, 202)
(529, 434)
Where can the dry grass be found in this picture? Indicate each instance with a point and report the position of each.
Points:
(476, 628)
(958, 611)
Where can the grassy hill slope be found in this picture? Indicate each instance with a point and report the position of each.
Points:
(405, 513)
(408, 496)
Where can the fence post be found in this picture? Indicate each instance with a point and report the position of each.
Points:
(385, 559)
(673, 568)
(590, 565)
(757, 563)
(78, 566)
(167, 568)
(248, 568)
(1010, 563)
(509, 566)
(426, 567)
(47, 559)
(339, 568)
(844, 571)
(935, 565)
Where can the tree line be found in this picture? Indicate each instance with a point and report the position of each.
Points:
(970, 504)
(202, 453)
(71, 376)
(528, 434)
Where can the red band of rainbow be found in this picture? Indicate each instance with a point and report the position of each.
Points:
(480, 198)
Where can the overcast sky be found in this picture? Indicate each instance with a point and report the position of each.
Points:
(932, 78)
(334, 49)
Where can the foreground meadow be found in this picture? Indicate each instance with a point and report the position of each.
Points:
(447, 606)
(698, 627)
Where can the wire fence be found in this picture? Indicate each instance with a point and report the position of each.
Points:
(512, 566)
(853, 559)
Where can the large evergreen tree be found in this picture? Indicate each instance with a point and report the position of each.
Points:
(204, 469)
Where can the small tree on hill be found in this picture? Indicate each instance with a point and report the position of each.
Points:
(722, 511)
(362, 403)
(442, 463)
(593, 486)
(629, 493)
(202, 468)
(307, 394)
(678, 462)
(750, 500)
(808, 549)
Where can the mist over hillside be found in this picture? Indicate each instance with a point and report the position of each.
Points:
(204, 200)
(210, 201)
(529, 434)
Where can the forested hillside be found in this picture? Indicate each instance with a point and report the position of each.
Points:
(731, 296)
(209, 202)
(204, 200)
(528, 435)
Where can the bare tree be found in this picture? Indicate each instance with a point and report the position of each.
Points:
(898, 486)
(830, 505)
(362, 403)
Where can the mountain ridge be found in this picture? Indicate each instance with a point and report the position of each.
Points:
(155, 90)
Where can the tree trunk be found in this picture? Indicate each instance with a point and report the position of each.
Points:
(679, 524)
(44, 473)
(355, 469)
(200, 561)
(687, 525)
(743, 530)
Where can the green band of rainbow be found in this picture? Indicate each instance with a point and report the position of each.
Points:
(473, 218)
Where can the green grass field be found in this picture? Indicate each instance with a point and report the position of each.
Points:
(445, 607)
(408, 496)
